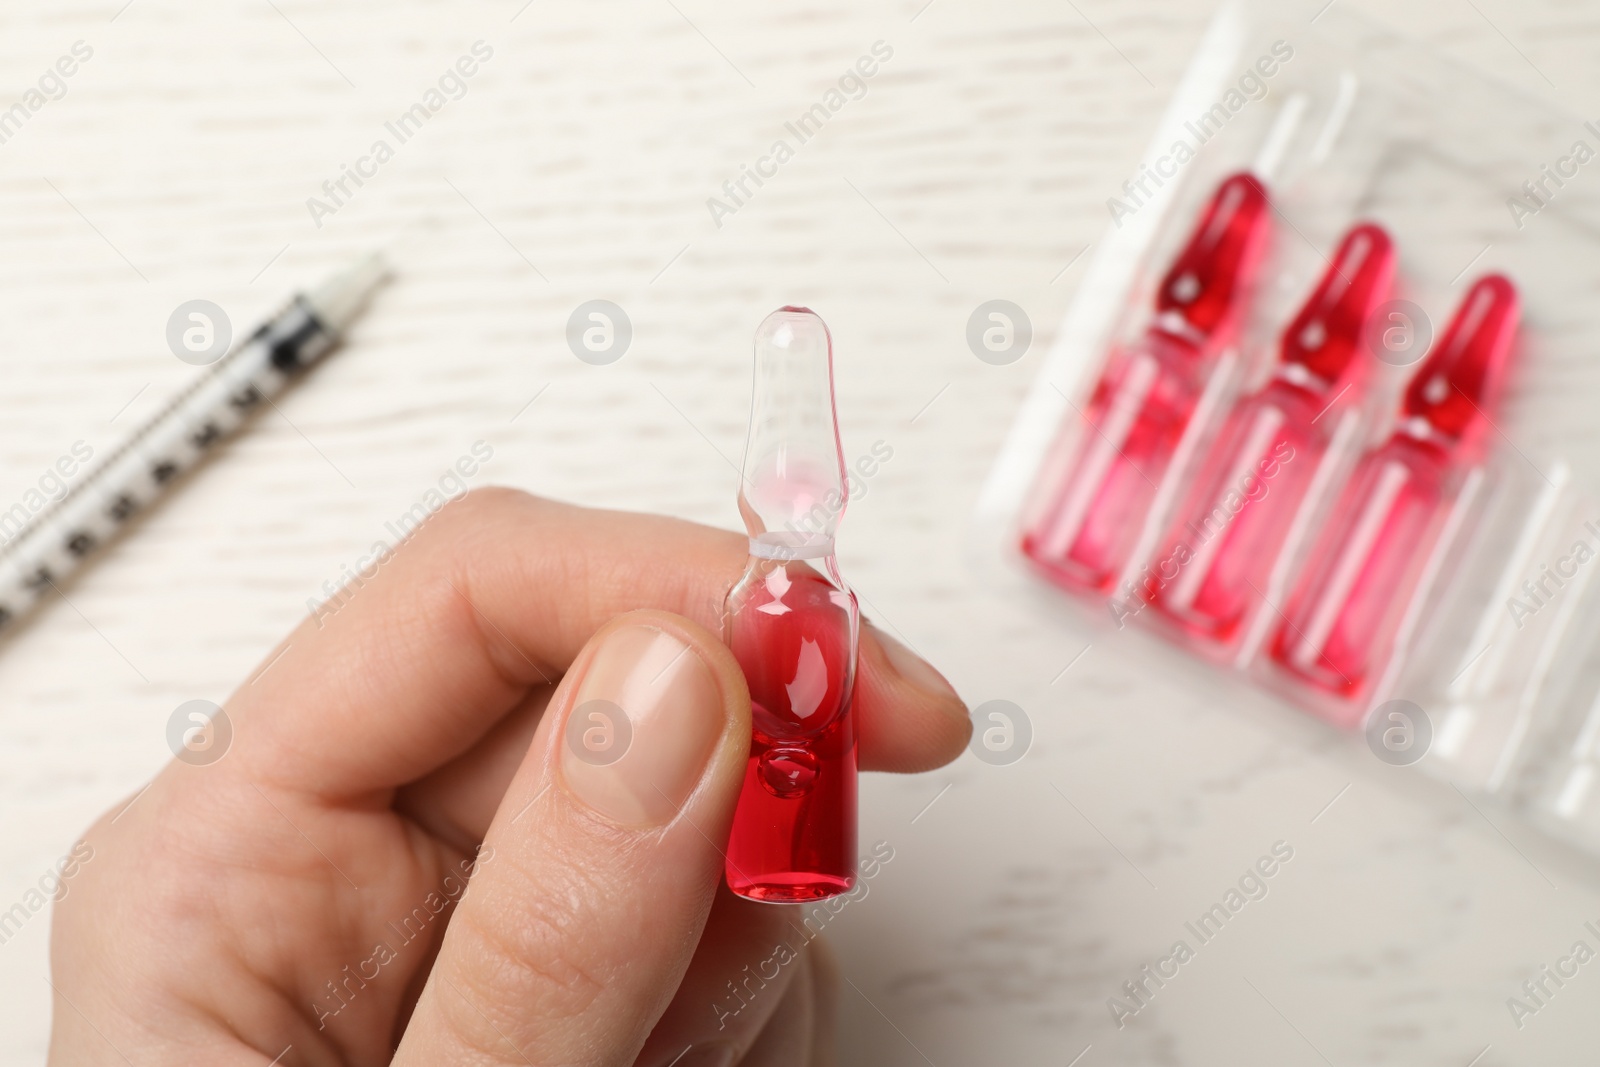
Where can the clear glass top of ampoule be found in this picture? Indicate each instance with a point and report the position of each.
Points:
(793, 492)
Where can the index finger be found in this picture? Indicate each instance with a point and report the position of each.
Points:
(494, 595)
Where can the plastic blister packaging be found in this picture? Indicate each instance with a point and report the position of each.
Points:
(1409, 532)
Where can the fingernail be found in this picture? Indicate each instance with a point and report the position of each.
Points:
(913, 668)
(643, 724)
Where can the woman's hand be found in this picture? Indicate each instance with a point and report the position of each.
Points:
(305, 900)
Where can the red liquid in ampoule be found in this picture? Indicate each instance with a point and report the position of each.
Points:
(1392, 509)
(1136, 417)
(1215, 566)
(794, 832)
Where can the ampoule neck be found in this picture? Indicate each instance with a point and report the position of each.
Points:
(1417, 430)
(786, 545)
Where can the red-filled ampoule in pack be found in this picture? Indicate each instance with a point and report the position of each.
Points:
(1365, 568)
(1143, 403)
(1214, 567)
(793, 625)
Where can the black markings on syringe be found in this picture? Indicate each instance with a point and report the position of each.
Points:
(287, 351)
(294, 338)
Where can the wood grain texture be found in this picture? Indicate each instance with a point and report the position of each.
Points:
(577, 166)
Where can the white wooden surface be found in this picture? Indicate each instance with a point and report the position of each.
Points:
(577, 166)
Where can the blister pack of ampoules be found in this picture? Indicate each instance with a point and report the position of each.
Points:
(1309, 417)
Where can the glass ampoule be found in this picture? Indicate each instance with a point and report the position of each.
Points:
(1215, 564)
(1095, 510)
(793, 625)
(1364, 570)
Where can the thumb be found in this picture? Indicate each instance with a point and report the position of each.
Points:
(600, 867)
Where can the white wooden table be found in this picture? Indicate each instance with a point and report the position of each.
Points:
(577, 166)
